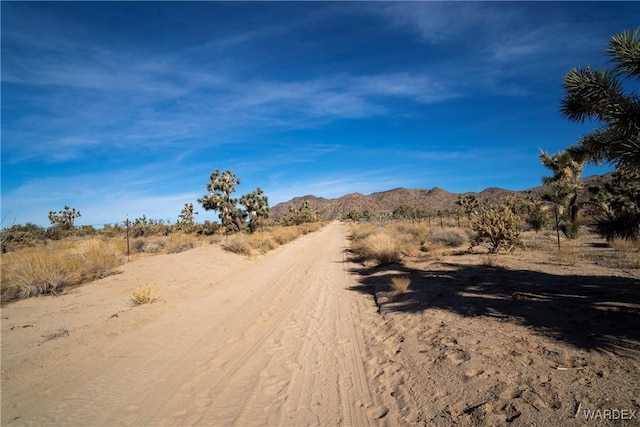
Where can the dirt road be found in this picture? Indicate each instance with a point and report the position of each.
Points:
(275, 340)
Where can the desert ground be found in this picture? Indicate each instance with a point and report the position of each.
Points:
(309, 334)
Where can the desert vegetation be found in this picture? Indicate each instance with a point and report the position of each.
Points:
(38, 260)
(50, 267)
(514, 224)
(144, 294)
(35, 264)
(528, 303)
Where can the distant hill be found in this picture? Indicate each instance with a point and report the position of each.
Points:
(387, 201)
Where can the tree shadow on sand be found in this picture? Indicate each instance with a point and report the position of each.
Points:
(589, 312)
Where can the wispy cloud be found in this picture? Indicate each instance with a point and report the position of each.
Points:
(136, 99)
(299, 98)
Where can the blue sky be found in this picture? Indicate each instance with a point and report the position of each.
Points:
(119, 108)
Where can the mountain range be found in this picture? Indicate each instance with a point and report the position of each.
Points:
(385, 202)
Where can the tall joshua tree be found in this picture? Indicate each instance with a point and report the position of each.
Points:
(256, 206)
(64, 218)
(600, 96)
(221, 186)
(567, 168)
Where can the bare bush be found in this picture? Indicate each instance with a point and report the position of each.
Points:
(238, 244)
(451, 237)
(179, 243)
(400, 284)
(144, 294)
(143, 245)
(262, 242)
(489, 260)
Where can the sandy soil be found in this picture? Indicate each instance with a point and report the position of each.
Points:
(541, 338)
(308, 335)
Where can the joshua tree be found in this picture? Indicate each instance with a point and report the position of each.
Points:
(256, 206)
(221, 186)
(565, 185)
(599, 95)
(302, 215)
(186, 220)
(64, 218)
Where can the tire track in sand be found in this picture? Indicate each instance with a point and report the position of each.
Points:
(278, 344)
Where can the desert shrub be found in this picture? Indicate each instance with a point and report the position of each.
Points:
(144, 294)
(237, 243)
(413, 232)
(284, 235)
(18, 236)
(400, 284)
(568, 255)
(143, 245)
(624, 245)
(144, 226)
(26, 274)
(109, 230)
(97, 258)
(497, 224)
(536, 214)
(179, 243)
(379, 247)
(300, 215)
(568, 228)
(451, 237)
(262, 242)
(361, 231)
(85, 230)
(56, 233)
(311, 227)
(49, 269)
(207, 228)
(488, 260)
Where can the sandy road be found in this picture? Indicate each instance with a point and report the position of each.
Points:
(278, 340)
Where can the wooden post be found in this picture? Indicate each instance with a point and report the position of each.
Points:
(127, 224)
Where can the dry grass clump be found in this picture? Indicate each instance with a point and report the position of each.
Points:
(174, 243)
(568, 254)
(623, 245)
(450, 237)
(489, 260)
(265, 241)
(262, 242)
(410, 232)
(48, 269)
(629, 251)
(143, 245)
(144, 294)
(400, 284)
(98, 258)
(179, 243)
(380, 247)
(238, 244)
(283, 235)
